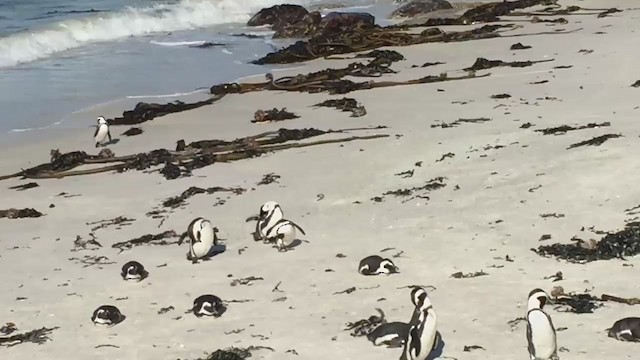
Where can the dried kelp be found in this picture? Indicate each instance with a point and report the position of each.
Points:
(245, 281)
(365, 326)
(269, 179)
(158, 239)
(120, 220)
(416, 191)
(519, 46)
(194, 156)
(179, 200)
(577, 303)
(92, 260)
(562, 129)
(263, 116)
(636, 84)
(20, 213)
(596, 141)
(23, 187)
(461, 275)
(483, 64)
(37, 336)
(617, 245)
(145, 111)
(628, 301)
(345, 104)
(460, 121)
(390, 55)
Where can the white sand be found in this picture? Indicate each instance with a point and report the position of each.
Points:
(455, 230)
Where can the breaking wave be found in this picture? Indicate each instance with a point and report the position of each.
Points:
(35, 44)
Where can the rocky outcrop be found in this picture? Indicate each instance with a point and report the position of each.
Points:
(278, 14)
(313, 24)
(420, 7)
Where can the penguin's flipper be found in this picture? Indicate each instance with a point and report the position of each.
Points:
(109, 134)
(252, 218)
(297, 227)
(627, 337)
(396, 342)
(97, 129)
(182, 237)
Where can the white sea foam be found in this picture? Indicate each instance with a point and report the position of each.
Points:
(178, 43)
(36, 44)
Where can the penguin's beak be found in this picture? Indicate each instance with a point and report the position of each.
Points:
(252, 218)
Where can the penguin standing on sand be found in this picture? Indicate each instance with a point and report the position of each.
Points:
(208, 305)
(107, 315)
(133, 270)
(393, 334)
(202, 238)
(541, 335)
(375, 265)
(423, 335)
(270, 214)
(102, 131)
(283, 233)
(627, 329)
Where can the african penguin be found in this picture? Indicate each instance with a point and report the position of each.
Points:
(202, 238)
(107, 315)
(208, 305)
(270, 214)
(541, 335)
(102, 131)
(133, 270)
(283, 233)
(374, 265)
(393, 334)
(423, 336)
(627, 329)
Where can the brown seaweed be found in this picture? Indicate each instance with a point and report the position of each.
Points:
(562, 129)
(596, 141)
(618, 245)
(263, 116)
(483, 64)
(245, 281)
(37, 336)
(364, 326)
(20, 213)
(345, 104)
(149, 239)
(120, 220)
(519, 46)
(269, 179)
(179, 200)
(461, 275)
(460, 121)
(415, 192)
(23, 187)
(143, 112)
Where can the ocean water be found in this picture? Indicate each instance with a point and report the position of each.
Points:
(58, 57)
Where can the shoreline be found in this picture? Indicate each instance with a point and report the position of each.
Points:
(473, 175)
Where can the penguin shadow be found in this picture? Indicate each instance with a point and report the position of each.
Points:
(215, 250)
(294, 244)
(111, 142)
(120, 319)
(438, 349)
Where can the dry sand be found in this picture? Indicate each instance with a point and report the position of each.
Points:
(490, 208)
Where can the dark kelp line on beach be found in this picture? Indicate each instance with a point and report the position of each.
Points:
(185, 158)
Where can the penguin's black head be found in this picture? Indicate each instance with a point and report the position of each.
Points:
(390, 266)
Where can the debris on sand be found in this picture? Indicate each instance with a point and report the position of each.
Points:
(38, 336)
(562, 129)
(148, 111)
(482, 64)
(346, 105)
(636, 84)
(519, 46)
(177, 201)
(264, 116)
(149, 239)
(347, 291)
(415, 192)
(269, 179)
(364, 326)
(234, 353)
(20, 213)
(245, 281)
(575, 303)
(596, 141)
(616, 245)
(23, 187)
(460, 121)
(120, 221)
(461, 275)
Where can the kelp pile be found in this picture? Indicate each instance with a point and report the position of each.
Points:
(345, 104)
(147, 111)
(186, 158)
(37, 336)
(617, 245)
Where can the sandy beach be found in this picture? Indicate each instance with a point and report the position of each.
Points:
(507, 186)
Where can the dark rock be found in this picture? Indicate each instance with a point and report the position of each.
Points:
(337, 21)
(420, 7)
(278, 14)
(180, 145)
(20, 213)
(519, 46)
(133, 131)
(306, 27)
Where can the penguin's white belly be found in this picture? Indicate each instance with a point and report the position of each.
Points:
(201, 249)
(543, 338)
(288, 235)
(428, 337)
(101, 136)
